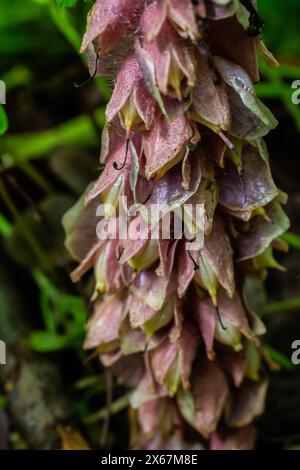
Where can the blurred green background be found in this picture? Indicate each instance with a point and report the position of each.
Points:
(49, 146)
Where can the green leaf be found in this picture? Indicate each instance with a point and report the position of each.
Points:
(282, 306)
(3, 121)
(5, 227)
(61, 313)
(66, 3)
(278, 357)
(292, 240)
(46, 341)
(2, 401)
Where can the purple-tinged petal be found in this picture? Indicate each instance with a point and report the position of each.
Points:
(110, 21)
(104, 326)
(246, 106)
(87, 262)
(108, 65)
(207, 195)
(107, 268)
(235, 364)
(145, 104)
(203, 406)
(117, 156)
(167, 249)
(150, 320)
(109, 359)
(200, 8)
(183, 17)
(208, 99)
(169, 189)
(218, 252)
(205, 314)
(175, 441)
(247, 403)
(232, 312)
(233, 439)
(80, 227)
(145, 391)
(110, 174)
(148, 70)
(172, 360)
(139, 312)
(133, 246)
(132, 341)
(130, 85)
(129, 370)
(171, 56)
(151, 413)
(261, 232)
(154, 18)
(127, 78)
(250, 187)
(228, 40)
(112, 138)
(163, 143)
(214, 147)
(152, 289)
(185, 267)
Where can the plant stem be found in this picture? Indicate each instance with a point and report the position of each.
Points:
(115, 408)
(282, 306)
(36, 177)
(22, 223)
(5, 227)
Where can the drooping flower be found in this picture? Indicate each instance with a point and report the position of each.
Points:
(173, 58)
(130, 99)
(180, 14)
(109, 22)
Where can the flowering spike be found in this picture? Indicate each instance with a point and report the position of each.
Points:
(184, 130)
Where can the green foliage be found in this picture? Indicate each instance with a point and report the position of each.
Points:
(292, 240)
(3, 120)
(5, 226)
(64, 318)
(66, 3)
(281, 34)
(283, 361)
(70, 3)
(2, 401)
(281, 30)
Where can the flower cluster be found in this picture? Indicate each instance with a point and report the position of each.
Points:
(180, 327)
